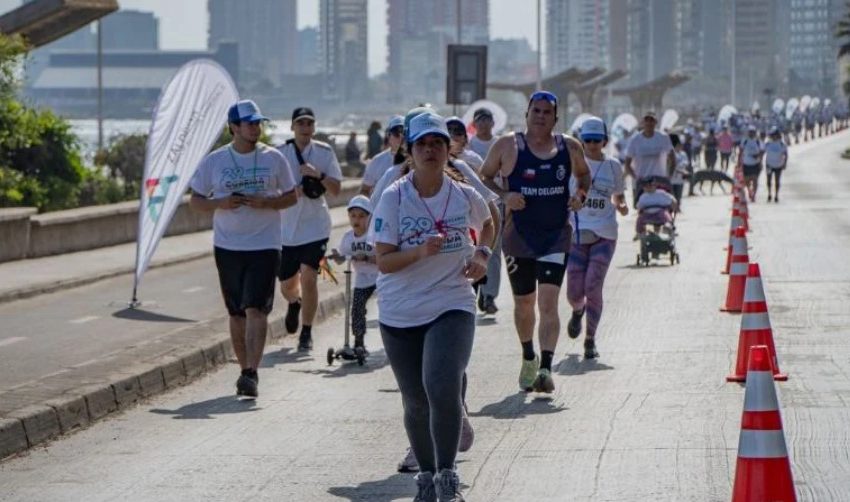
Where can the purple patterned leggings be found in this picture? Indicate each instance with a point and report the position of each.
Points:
(586, 269)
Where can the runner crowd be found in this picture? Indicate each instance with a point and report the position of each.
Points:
(442, 207)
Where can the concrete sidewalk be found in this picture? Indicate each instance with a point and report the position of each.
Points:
(76, 395)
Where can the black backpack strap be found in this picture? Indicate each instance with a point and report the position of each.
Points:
(297, 151)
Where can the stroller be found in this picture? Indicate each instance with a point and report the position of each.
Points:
(659, 238)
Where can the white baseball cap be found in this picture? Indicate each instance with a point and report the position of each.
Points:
(360, 202)
(427, 123)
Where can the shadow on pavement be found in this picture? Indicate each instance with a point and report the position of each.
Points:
(377, 359)
(575, 365)
(485, 321)
(515, 406)
(223, 405)
(146, 315)
(398, 486)
(283, 356)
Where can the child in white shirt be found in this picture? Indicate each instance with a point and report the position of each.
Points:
(355, 246)
(655, 207)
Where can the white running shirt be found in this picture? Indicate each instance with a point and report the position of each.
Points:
(598, 213)
(264, 172)
(309, 220)
(424, 290)
(365, 273)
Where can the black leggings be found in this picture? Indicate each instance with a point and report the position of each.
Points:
(429, 362)
(358, 309)
(773, 178)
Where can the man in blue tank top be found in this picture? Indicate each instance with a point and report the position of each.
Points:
(533, 170)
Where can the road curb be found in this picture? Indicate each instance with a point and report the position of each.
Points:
(77, 409)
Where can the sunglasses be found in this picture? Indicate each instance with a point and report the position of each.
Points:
(593, 140)
(544, 96)
(397, 131)
(457, 131)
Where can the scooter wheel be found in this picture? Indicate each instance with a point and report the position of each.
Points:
(331, 356)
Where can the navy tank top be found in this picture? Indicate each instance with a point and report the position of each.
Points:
(543, 227)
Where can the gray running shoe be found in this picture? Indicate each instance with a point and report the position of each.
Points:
(467, 433)
(425, 490)
(544, 382)
(448, 486)
(409, 462)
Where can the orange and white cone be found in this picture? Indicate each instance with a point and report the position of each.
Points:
(755, 327)
(743, 211)
(737, 273)
(730, 249)
(763, 470)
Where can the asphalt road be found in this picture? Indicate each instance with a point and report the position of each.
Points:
(652, 420)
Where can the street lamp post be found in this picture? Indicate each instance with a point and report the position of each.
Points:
(539, 50)
(99, 86)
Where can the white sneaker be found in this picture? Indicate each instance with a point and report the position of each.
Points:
(409, 463)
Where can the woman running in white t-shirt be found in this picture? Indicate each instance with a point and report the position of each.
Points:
(426, 303)
(596, 231)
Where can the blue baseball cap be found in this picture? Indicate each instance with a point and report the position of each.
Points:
(413, 113)
(395, 121)
(245, 111)
(544, 96)
(593, 128)
(427, 123)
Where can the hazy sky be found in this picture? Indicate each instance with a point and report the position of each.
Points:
(183, 23)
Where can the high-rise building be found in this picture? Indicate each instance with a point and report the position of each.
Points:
(577, 34)
(758, 48)
(813, 67)
(266, 34)
(344, 36)
(309, 58)
(130, 30)
(689, 36)
(417, 38)
(618, 19)
(650, 39)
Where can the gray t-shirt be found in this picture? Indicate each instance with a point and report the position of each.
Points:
(649, 154)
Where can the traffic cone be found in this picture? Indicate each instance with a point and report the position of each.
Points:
(736, 223)
(755, 327)
(743, 211)
(737, 273)
(763, 471)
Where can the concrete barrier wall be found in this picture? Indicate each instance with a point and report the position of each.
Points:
(25, 234)
(15, 232)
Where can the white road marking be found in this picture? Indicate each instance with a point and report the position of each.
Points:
(10, 341)
(83, 320)
(194, 289)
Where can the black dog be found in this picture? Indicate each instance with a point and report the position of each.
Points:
(704, 175)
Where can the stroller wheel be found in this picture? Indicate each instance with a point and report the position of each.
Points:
(672, 259)
(677, 259)
(331, 356)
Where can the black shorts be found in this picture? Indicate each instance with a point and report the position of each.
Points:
(247, 279)
(525, 273)
(292, 257)
(753, 170)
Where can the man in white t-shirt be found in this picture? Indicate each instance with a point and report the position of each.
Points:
(775, 159)
(307, 224)
(650, 153)
(483, 139)
(245, 185)
(382, 162)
